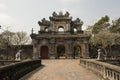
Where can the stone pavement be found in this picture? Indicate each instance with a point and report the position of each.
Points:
(61, 69)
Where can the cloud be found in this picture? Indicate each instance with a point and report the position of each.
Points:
(73, 11)
(5, 19)
(2, 5)
(69, 1)
(71, 5)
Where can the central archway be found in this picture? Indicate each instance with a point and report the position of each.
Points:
(44, 52)
(61, 29)
(60, 51)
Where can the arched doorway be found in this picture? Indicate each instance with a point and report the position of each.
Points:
(75, 30)
(77, 52)
(46, 29)
(60, 51)
(44, 52)
(61, 29)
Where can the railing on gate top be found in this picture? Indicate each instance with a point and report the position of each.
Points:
(104, 70)
(19, 69)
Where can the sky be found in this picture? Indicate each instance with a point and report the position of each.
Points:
(23, 15)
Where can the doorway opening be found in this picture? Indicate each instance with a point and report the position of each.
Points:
(61, 51)
(61, 29)
(44, 52)
(77, 52)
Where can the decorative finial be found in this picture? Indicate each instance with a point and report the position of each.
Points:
(60, 13)
(43, 20)
(32, 30)
(78, 20)
(54, 13)
(67, 14)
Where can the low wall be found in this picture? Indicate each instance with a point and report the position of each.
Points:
(102, 69)
(15, 71)
(7, 62)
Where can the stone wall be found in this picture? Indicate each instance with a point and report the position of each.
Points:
(102, 69)
(10, 52)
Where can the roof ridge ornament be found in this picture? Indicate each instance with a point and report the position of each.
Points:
(60, 13)
(54, 14)
(67, 14)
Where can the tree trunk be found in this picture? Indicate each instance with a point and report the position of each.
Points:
(110, 50)
(105, 53)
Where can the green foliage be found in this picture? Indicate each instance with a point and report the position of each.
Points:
(77, 50)
(102, 24)
(105, 39)
(105, 35)
(115, 27)
(93, 51)
(89, 29)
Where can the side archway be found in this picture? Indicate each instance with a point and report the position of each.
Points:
(77, 51)
(75, 30)
(44, 52)
(46, 29)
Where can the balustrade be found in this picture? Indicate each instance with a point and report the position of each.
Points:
(104, 70)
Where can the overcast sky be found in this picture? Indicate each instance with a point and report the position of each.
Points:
(23, 15)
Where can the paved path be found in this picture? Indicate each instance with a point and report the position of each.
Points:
(61, 69)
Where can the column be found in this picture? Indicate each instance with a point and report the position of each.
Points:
(35, 49)
(52, 54)
(69, 50)
(85, 50)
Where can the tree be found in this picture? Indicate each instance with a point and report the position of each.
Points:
(102, 24)
(106, 39)
(103, 34)
(6, 38)
(115, 27)
(20, 38)
(11, 38)
(89, 29)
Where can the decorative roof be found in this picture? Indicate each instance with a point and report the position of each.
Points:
(78, 22)
(60, 16)
(44, 22)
